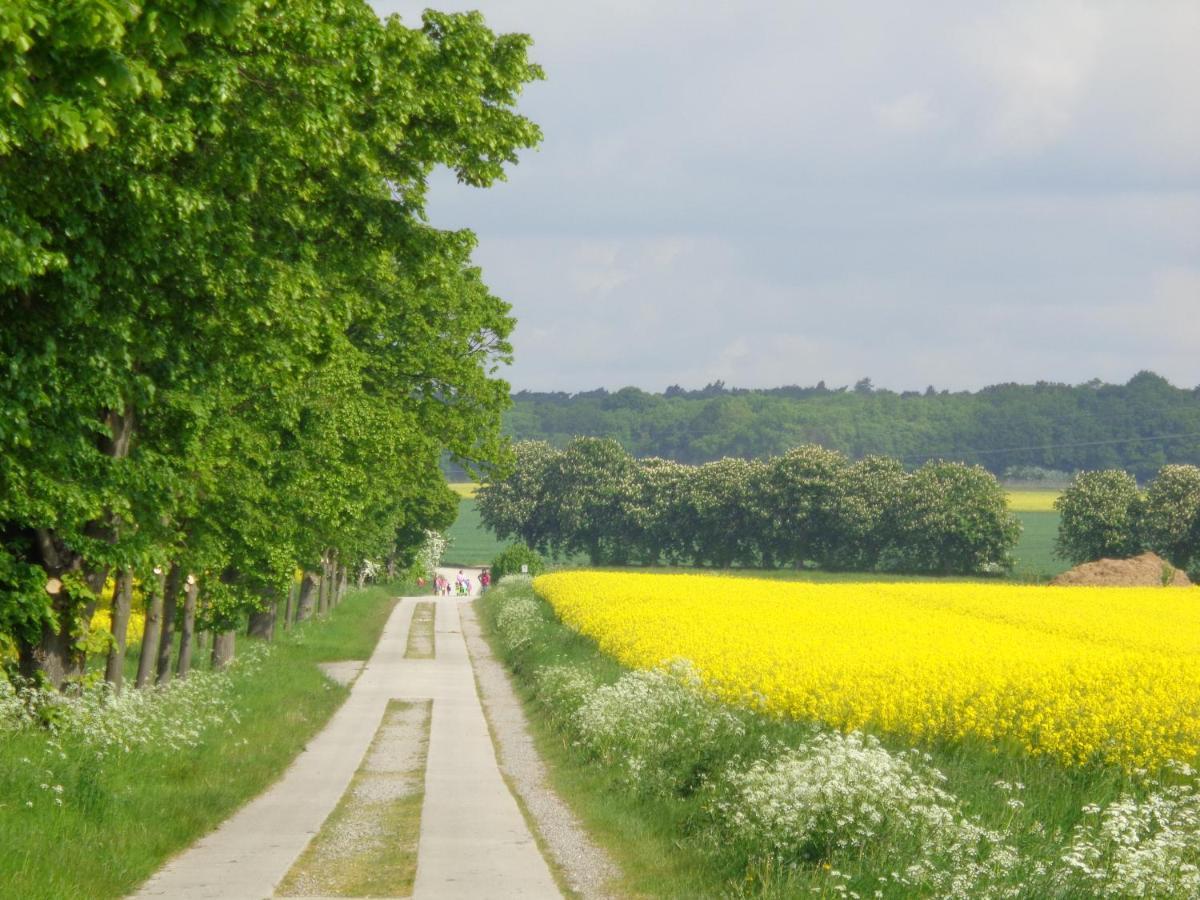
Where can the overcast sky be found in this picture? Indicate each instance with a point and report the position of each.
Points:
(769, 193)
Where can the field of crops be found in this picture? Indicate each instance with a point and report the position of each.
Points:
(1032, 500)
(1107, 675)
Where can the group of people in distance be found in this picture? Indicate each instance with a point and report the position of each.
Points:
(461, 586)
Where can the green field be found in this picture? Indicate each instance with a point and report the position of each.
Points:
(1035, 550)
(470, 543)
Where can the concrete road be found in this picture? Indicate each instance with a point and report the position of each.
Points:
(474, 841)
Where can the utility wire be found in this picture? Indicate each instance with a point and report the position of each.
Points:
(1064, 446)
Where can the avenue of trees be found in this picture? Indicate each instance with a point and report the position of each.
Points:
(1139, 426)
(1104, 514)
(230, 345)
(808, 505)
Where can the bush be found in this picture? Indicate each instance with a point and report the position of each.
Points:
(1099, 517)
(511, 559)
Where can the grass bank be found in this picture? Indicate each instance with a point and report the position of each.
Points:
(92, 812)
(694, 798)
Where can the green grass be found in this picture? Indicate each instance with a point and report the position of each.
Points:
(470, 543)
(1036, 560)
(659, 843)
(123, 816)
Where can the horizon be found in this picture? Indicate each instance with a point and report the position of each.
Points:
(849, 388)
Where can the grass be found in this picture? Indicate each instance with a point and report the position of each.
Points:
(124, 815)
(470, 543)
(1036, 559)
(368, 845)
(420, 631)
(659, 843)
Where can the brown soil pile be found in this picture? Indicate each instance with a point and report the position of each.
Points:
(1146, 570)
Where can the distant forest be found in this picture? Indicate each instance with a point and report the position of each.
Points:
(1137, 426)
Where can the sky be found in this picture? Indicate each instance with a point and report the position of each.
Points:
(772, 193)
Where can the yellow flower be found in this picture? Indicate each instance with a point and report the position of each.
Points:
(1084, 675)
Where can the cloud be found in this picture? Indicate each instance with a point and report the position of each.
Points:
(768, 192)
(909, 114)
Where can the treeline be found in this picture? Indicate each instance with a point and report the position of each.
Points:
(807, 506)
(230, 345)
(1106, 515)
(1139, 426)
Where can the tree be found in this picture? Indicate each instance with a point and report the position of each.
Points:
(516, 506)
(1099, 517)
(591, 488)
(222, 242)
(862, 523)
(802, 496)
(951, 518)
(1171, 517)
(723, 526)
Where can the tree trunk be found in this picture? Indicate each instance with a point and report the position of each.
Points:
(58, 655)
(309, 589)
(391, 567)
(223, 647)
(114, 671)
(262, 622)
(190, 590)
(166, 639)
(290, 606)
(343, 584)
(154, 605)
(323, 588)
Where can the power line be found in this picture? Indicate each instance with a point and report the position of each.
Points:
(1063, 446)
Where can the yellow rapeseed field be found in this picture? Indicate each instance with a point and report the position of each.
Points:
(1083, 674)
(1032, 501)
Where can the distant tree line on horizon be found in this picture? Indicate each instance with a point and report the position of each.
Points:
(1139, 426)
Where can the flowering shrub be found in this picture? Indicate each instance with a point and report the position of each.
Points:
(517, 621)
(1099, 515)
(1147, 847)
(846, 795)
(90, 722)
(429, 557)
(656, 729)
